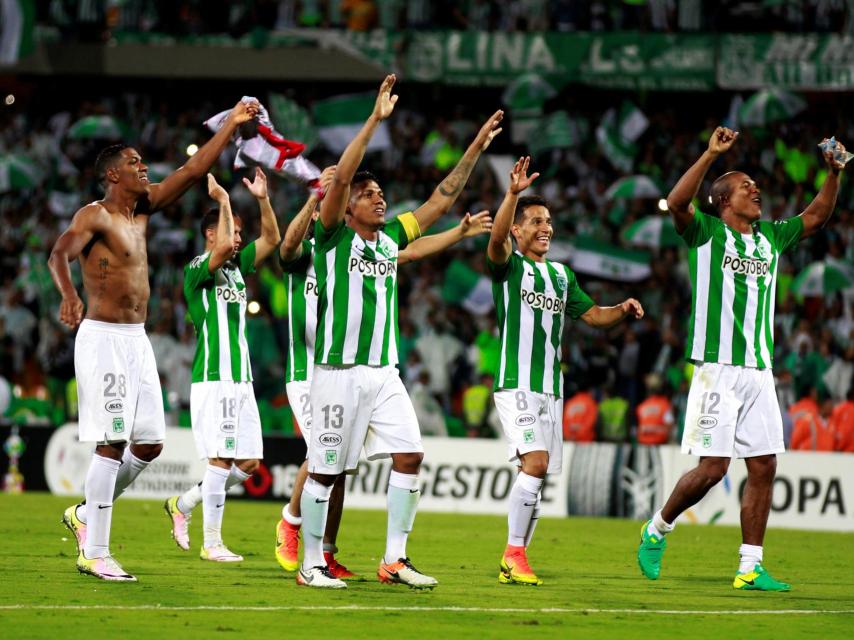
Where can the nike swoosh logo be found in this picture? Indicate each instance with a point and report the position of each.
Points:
(750, 582)
(413, 491)
(219, 506)
(529, 504)
(104, 506)
(319, 501)
(306, 579)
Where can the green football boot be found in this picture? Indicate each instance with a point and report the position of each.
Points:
(650, 550)
(758, 580)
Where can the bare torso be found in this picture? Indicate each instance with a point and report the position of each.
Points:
(115, 269)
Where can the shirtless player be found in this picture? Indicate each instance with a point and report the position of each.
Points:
(119, 389)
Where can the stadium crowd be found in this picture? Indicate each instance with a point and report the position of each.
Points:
(626, 384)
(95, 20)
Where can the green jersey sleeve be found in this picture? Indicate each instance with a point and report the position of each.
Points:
(577, 302)
(197, 273)
(701, 229)
(787, 232)
(501, 272)
(246, 258)
(300, 264)
(323, 238)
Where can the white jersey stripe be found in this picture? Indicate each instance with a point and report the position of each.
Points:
(751, 308)
(701, 308)
(727, 301)
(224, 350)
(205, 335)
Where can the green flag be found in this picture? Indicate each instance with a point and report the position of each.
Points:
(339, 119)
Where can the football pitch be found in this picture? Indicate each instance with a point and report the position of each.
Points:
(593, 588)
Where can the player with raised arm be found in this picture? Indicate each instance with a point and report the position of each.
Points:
(120, 400)
(357, 397)
(296, 255)
(732, 405)
(225, 419)
(531, 295)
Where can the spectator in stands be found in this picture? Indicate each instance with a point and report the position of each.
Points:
(613, 417)
(431, 418)
(477, 407)
(842, 423)
(580, 416)
(655, 414)
(813, 431)
(807, 405)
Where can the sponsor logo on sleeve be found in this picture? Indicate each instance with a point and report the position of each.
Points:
(330, 439)
(525, 419)
(114, 406)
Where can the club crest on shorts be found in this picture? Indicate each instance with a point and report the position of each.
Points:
(528, 436)
(331, 457)
(707, 440)
(118, 425)
(229, 444)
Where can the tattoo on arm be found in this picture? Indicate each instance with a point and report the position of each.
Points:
(454, 183)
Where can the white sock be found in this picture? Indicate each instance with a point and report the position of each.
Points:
(100, 485)
(535, 517)
(213, 503)
(188, 500)
(658, 527)
(403, 497)
(130, 468)
(749, 555)
(236, 476)
(290, 518)
(523, 500)
(314, 505)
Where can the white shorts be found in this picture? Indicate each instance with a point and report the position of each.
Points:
(732, 411)
(299, 397)
(357, 405)
(225, 420)
(118, 386)
(531, 422)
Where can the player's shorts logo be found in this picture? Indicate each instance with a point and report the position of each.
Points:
(707, 422)
(331, 457)
(330, 439)
(118, 425)
(525, 419)
(114, 406)
(528, 436)
(229, 444)
(707, 441)
(227, 427)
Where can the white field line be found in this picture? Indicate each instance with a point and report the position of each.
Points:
(665, 612)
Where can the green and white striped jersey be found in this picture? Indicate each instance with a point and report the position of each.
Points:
(357, 293)
(733, 281)
(217, 305)
(531, 299)
(301, 285)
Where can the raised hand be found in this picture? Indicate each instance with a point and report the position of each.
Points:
(489, 130)
(519, 179)
(834, 154)
(215, 191)
(633, 308)
(474, 225)
(385, 101)
(243, 112)
(71, 311)
(257, 187)
(721, 140)
(326, 177)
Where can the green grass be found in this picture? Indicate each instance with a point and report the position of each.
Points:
(586, 564)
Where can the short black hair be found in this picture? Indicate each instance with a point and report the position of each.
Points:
(363, 176)
(721, 188)
(211, 219)
(107, 158)
(525, 202)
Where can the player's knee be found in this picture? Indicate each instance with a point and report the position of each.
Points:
(248, 466)
(536, 464)
(407, 462)
(147, 452)
(714, 469)
(763, 468)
